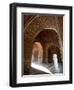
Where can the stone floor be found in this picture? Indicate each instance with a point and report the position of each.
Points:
(46, 68)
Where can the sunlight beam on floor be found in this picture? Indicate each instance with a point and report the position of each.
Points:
(40, 67)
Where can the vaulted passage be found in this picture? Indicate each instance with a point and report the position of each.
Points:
(43, 43)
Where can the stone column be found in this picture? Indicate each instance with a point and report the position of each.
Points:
(46, 54)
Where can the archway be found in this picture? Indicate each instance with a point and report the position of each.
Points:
(48, 37)
(37, 52)
(54, 50)
(43, 46)
(37, 59)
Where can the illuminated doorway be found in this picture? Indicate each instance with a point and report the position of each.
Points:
(37, 52)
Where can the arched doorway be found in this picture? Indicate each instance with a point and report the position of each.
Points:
(37, 59)
(37, 52)
(54, 59)
(54, 50)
